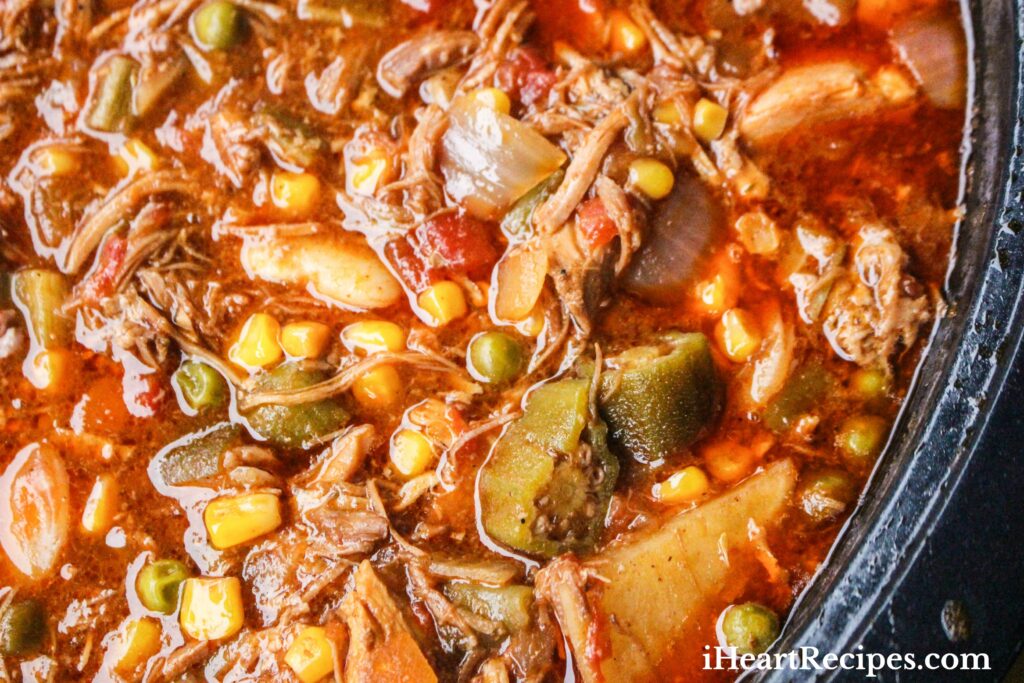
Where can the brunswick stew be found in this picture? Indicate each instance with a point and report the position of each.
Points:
(452, 340)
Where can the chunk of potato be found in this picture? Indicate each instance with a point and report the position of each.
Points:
(340, 268)
(681, 567)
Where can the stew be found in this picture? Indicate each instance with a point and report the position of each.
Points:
(451, 340)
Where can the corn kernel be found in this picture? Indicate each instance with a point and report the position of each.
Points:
(493, 98)
(101, 505)
(53, 161)
(709, 119)
(533, 324)
(50, 370)
(211, 608)
(235, 520)
(729, 461)
(135, 155)
(294, 192)
(373, 336)
(411, 453)
(893, 85)
(479, 294)
(669, 113)
(651, 177)
(305, 339)
(379, 388)
(626, 36)
(738, 335)
(257, 343)
(758, 233)
(718, 293)
(442, 303)
(137, 642)
(311, 655)
(364, 176)
(684, 486)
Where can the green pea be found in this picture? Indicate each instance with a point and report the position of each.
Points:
(22, 628)
(860, 439)
(217, 25)
(158, 585)
(201, 386)
(494, 357)
(750, 628)
(825, 495)
(870, 384)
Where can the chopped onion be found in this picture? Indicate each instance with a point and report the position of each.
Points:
(683, 228)
(489, 159)
(932, 47)
(771, 365)
(34, 509)
(519, 282)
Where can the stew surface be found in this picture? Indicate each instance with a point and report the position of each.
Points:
(416, 340)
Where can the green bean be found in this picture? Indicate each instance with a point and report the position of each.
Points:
(114, 96)
(494, 357)
(201, 386)
(159, 583)
(41, 295)
(22, 628)
(196, 456)
(217, 25)
(750, 628)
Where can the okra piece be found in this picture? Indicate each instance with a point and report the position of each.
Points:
(201, 386)
(295, 426)
(509, 605)
(40, 294)
(197, 456)
(658, 399)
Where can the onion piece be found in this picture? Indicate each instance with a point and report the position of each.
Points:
(932, 47)
(489, 159)
(678, 240)
(770, 368)
(519, 281)
(35, 509)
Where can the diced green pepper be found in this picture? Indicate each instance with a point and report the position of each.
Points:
(543, 491)
(201, 386)
(494, 357)
(518, 222)
(659, 399)
(41, 295)
(217, 25)
(197, 456)
(159, 583)
(510, 605)
(804, 391)
(22, 628)
(295, 426)
(114, 96)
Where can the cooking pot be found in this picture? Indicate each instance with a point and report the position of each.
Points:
(932, 560)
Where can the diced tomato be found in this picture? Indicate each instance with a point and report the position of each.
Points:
(144, 394)
(596, 225)
(102, 409)
(458, 243)
(100, 282)
(409, 265)
(525, 76)
(578, 22)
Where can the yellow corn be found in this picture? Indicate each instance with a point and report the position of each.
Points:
(738, 335)
(373, 336)
(533, 324)
(479, 294)
(51, 369)
(294, 192)
(311, 655)
(101, 505)
(729, 461)
(137, 642)
(493, 98)
(257, 343)
(411, 453)
(626, 36)
(443, 302)
(670, 113)
(684, 486)
(55, 160)
(709, 119)
(651, 177)
(893, 85)
(718, 293)
(379, 388)
(235, 520)
(758, 233)
(305, 339)
(135, 155)
(365, 175)
(211, 608)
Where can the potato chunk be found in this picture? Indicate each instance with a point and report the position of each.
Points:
(340, 268)
(653, 585)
